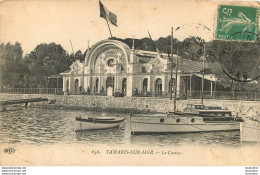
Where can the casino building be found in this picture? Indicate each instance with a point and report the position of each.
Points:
(112, 68)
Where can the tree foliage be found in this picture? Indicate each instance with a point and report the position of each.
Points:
(46, 60)
(13, 70)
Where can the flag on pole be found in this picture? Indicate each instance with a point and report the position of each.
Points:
(107, 15)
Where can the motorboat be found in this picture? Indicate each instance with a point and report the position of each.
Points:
(92, 123)
(194, 118)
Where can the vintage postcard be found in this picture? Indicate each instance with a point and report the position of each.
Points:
(129, 83)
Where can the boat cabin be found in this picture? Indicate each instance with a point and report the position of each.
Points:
(207, 110)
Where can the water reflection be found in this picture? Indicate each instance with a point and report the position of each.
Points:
(106, 136)
(230, 138)
(47, 126)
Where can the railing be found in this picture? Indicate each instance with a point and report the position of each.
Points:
(222, 95)
(32, 90)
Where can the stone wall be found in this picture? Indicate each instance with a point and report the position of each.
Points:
(126, 104)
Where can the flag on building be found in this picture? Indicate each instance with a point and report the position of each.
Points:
(107, 15)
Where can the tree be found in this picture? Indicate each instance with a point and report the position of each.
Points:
(80, 56)
(46, 60)
(13, 70)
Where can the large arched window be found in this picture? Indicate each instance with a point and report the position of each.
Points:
(110, 86)
(96, 85)
(124, 85)
(110, 82)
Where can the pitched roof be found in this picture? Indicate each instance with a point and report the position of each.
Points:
(185, 65)
(65, 72)
(189, 66)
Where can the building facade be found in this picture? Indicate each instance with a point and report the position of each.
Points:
(112, 67)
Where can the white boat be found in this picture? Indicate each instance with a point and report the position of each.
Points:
(91, 123)
(204, 120)
(250, 130)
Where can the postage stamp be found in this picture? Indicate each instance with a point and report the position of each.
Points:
(233, 19)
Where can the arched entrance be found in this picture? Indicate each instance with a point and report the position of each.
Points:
(110, 86)
(158, 87)
(76, 86)
(124, 86)
(96, 85)
(145, 84)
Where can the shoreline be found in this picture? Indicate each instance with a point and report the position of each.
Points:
(84, 108)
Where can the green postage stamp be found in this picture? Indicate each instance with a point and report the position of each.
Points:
(237, 23)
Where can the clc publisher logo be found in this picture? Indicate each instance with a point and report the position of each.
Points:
(9, 150)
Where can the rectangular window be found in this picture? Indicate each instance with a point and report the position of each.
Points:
(143, 69)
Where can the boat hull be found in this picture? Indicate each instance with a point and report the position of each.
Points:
(90, 124)
(179, 125)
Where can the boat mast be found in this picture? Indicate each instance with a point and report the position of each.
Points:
(176, 77)
(171, 64)
(203, 74)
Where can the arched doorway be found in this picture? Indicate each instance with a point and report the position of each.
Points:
(124, 86)
(110, 86)
(96, 85)
(145, 84)
(158, 87)
(76, 86)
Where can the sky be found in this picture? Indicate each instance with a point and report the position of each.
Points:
(36, 21)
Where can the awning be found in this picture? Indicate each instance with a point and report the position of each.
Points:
(209, 77)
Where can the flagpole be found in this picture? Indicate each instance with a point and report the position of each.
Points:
(109, 28)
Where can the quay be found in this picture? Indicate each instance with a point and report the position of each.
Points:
(20, 101)
(126, 104)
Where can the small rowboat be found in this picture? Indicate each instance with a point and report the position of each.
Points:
(92, 123)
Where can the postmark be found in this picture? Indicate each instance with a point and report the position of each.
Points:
(192, 47)
(240, 60)
(233, 19)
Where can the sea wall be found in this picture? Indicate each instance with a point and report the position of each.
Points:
(126, 104)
